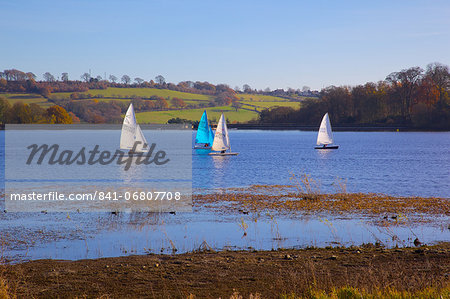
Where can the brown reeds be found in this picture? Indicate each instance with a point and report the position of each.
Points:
(258, 199)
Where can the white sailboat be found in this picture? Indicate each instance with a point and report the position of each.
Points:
(325, 135)
(131, 132)
(221, 145)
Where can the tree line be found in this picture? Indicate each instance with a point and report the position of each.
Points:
(93, 111)
(412, 97)
(14, 80)
(21, 113)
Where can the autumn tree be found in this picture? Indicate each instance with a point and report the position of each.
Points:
(75, 119)
(21, 114)
(5, 108)
(58, 115)
(31, 76)
(161, 104)
(177, 103)
(45, 91)
(37, 113)
(138, 104)
(225, 98)
(440, 75)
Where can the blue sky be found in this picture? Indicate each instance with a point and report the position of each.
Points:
(276, 44)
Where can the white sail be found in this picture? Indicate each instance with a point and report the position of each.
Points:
(221, 140)
(131, 132)
(325, 135)
(143, 146)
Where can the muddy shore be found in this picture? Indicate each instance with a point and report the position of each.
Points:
(209, 274)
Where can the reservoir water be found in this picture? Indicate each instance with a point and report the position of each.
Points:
(394, 163)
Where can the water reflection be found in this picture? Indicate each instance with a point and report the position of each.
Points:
(220, 164)
(324, 154)
(93, 235)
(134, 174)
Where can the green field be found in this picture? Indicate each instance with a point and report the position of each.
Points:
(272, 104)
(129, 100)
(165, 93)
(138, 92)
(27, 98)
(260, 98)
(161, 117)
(118, 94)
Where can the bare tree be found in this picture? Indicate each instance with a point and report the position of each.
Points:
(14, 75)
(65, 77)
(49, 77)
(236, 105)
(306, 88)
(86, 77)
(247, 88)
(440, 74)
(160, 80)
(99, 78)
(112, 78)
(126, 79)
(138, 80)
(406, 82)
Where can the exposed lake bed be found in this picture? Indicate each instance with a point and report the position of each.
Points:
(313, 272)
(239, 219)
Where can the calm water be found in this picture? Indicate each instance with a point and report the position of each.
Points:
(397, 163)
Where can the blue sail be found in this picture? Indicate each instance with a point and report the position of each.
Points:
(211, 136)
(203, 130)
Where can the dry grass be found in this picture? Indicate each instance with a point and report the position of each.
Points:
(286, 199)
(389, 293)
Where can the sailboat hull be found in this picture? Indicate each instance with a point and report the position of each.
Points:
(327, 147)
(201, 146)
(223, 154)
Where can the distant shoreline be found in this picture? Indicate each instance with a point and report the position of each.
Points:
(349, 128)
(288, 127)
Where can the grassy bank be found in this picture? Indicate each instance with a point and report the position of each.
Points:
(138, 92)
(355, 272)
(214, 113)
(27, 98)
